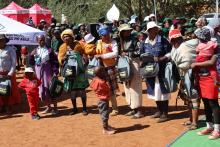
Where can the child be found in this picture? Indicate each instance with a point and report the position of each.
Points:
(102, 90)
(30, 84)
(24, 53)
(205, 50)
(90, 46)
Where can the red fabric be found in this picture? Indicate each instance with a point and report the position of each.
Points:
(37, 13)
(32, 92)
(175, 33)
(16, 12)
(30, 86)
(211, 69)
(33, 102)
(207, 88)
(206, 49)
(15, 96)
(101, 88)
(24, 51)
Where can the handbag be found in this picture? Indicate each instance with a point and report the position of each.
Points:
(5, 87)
(150, 68)
(55, 87)
(124, 69)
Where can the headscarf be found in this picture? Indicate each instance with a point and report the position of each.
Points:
(67, 32)
(204, 34)
(104, 31)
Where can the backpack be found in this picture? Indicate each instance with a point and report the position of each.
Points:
(91, 67)
(171, 77)
(70, 68)
(124, 69)
(149, 68)
(5, 87)
(55, 87)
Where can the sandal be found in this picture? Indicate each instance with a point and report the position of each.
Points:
(214, 135)
(193, 127)
(187, 123)
(206, 131)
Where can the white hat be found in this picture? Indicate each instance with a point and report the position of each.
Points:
(89, 38)
(151, 25)
(146, 18)
(152, 15)
(28, 69)
(132, 21)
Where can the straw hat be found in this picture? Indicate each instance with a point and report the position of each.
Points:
(124, 27)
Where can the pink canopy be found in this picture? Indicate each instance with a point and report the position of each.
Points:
(37, 13)
(15, 12)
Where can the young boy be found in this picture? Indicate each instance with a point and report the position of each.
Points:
(102, 90)
(30, 84)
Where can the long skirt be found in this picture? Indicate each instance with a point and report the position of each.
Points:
(44, 73)
(133, 88)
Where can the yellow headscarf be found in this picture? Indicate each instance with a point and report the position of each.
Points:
(67, 32)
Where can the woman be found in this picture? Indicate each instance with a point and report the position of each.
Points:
(46, 66)
(107, 50)
(80, 83)
(158, 47)
(7, 70)
(132, 88)
(208, 91)
(183, 55)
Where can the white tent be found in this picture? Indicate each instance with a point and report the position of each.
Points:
(18, 33)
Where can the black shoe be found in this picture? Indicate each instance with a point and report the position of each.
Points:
(35, 117)
(162, 118)
(74, 111)
(84, 112)
(156, 115)
(130, 113)
(137, 115)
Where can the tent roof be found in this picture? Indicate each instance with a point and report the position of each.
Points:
(13, 8)
(10, 26)
(36, 8)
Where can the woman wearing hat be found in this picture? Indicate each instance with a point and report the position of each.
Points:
(183, 55)
(158, 47)
(7, 70)
(107, 50)
(46, 66)
(80, 83)
(69, 42)
(132, 88)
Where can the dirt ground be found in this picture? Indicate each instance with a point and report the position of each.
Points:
(63, 130)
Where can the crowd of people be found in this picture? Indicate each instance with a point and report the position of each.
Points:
(190, 46)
